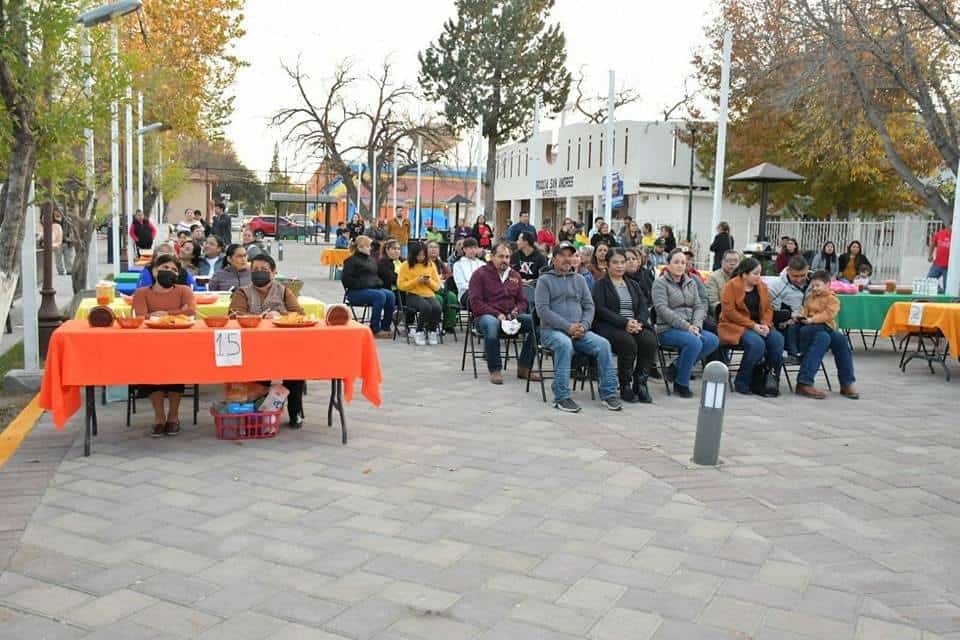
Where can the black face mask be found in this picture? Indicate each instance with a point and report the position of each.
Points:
(166, 279)
(260, 278)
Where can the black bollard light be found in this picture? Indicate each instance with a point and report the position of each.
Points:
(706, 446)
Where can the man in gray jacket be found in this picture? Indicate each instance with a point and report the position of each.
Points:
(565, 308)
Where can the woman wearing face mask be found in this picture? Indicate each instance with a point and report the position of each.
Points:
(161, 298)
(265, 296)
(237, 272)
(363, 286)
(146, 274)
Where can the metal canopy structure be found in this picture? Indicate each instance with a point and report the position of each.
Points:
(317, 199)
(456, 201)
(765, 174)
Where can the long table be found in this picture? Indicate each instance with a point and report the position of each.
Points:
(866, 311)
(311, 306)
(936, 315)
(81, 356)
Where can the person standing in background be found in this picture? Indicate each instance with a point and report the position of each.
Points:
(722, 242)
(398, 228)
(222, 226)
(939, 256)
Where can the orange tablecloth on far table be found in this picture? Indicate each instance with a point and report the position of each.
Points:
(936, 315)
(334, 257)
(80, 356)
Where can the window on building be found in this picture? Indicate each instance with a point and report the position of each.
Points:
(569, 144)
(589, 151)
(578, 154)
(626, 143)
(511, 164)
(526, 165)
(601, 149)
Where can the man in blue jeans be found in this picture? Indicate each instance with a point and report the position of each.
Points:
(815, 341)
(565, 307)
(496, 294)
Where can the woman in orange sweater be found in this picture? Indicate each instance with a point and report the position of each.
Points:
(164, 297)
(746, 320)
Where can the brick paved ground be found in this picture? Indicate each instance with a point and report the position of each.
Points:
(464, 510)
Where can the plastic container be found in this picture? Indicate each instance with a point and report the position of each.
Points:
(106, 292)
(249, 322)
(216, 321)
(130, 323)
(245, 426)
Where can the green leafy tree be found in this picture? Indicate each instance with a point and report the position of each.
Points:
(490, 64)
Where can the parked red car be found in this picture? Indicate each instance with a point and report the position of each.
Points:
(265, 226)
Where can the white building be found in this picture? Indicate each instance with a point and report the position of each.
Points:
(566, 170)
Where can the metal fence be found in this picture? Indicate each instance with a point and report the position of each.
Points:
(886, 243)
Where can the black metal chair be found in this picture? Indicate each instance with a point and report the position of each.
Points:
(407, 316)
(583, 368)
(786, 374)
(472, 336)
(365, 309)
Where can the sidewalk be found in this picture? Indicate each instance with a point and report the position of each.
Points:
(464, 510)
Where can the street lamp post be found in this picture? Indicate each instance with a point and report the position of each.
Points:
(693, 145)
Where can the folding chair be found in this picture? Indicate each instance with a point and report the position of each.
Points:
(365, 309)
(472, 336)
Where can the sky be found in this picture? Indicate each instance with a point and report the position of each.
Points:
(648, 43)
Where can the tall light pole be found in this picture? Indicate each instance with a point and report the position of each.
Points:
(88, 157)
(128, 113)
(608, 152)
(140, 151)
(142, 131)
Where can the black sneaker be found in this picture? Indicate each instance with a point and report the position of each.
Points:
(568, 405)
(296, 422)
(627, 395)
(612, 403)
(791, 361)
(654, 373)
(682, 391)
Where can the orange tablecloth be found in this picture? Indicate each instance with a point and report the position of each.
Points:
(334, 257)
(80, 355)
(936, 315)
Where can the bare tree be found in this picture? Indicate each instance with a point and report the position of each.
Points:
(336, 130)
(594, 107)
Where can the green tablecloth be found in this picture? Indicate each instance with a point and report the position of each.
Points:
(868, 310)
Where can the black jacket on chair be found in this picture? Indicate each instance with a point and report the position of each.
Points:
(360, 272)
(607, 305)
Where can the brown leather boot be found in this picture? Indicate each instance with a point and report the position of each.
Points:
(810, 391)
(525, 373)
(848, 391)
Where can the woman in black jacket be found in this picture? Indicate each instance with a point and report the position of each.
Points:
(622, 317)
(722, 242)
(364, 287)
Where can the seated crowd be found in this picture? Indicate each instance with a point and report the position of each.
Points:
(605, 297)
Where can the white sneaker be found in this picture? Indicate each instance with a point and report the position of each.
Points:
(433, 338)
(419, 338)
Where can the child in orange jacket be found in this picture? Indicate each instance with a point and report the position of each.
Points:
(821, 305)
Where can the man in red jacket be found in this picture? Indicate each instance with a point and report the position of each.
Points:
(496, 295)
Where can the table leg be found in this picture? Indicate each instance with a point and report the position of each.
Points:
(90, 419)
(336, 402)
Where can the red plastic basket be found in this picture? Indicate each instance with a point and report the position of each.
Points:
(246, 426)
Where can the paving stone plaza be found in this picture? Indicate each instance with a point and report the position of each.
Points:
(464, 510)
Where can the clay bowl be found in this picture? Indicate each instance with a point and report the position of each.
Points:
(130, 323)
(249, 322)
(216, 322)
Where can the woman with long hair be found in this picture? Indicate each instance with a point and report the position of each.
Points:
(483, 233)
(419, 280)
(851, 262)
(790, 249)
(622, 317)
(746, 320)
(681, 311)
(164, 296)
(598, 262)
(722, 242)
(827, 260)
